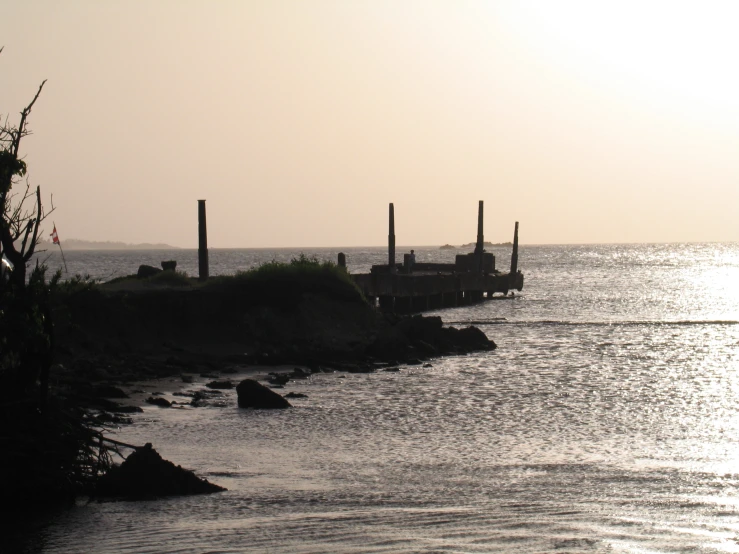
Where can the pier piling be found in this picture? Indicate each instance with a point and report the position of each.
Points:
(391, 239)
(514, 254)
(433, 285)
(202, 242)
(480, 240)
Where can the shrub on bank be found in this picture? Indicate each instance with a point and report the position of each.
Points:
(282, 284)
(50, 449)
(170, 279)
(269, 283)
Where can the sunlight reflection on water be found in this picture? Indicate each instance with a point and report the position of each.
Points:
(607, 420)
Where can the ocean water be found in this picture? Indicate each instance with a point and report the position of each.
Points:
(606, 421)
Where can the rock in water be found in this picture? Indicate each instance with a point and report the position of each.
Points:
(163, 402)
(147, 271)
(220, 385)
(145, 474)
(255, 395)
(471, 339)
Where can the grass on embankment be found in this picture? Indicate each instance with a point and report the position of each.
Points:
(272, 283)
(304, 304)
(277, 283)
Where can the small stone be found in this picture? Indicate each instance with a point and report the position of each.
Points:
(162, 402)
(220, 385)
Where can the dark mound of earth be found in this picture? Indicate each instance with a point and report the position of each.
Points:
(145, 474)
(125, 334)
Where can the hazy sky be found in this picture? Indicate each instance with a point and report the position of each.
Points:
(299, 121)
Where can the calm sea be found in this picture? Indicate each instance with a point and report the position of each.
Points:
(606, 421)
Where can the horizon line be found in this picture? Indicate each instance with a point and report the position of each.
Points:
(507, 243)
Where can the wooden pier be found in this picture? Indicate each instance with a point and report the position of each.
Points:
(419, 287)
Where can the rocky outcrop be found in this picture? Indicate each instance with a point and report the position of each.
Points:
(422, 337)
(253, 394)
(145, 474)
(144, 328)
(470, 339)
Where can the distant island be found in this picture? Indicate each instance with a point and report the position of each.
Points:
(78, 244)
(485, 244)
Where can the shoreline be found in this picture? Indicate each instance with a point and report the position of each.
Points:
(124, 348)
(174, 388)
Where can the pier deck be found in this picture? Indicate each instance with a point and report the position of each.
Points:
(428, 286)
(430, 290)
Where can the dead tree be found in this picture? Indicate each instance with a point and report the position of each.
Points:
(22, 212)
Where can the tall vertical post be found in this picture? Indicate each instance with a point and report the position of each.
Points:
(480, 240)
(202, 242)
(514, 254)
(391, 239)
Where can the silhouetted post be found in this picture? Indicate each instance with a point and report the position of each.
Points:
(391, 239)
(479, 245)
(514, 254)
(342, 260)
(202, 242)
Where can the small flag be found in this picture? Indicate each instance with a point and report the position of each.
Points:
(55, 240)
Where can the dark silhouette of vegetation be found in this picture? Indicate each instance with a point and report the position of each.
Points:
(170, 278)
(272, 283)
(19, 225)
(49, 449)
(26, 337)
(283, 284)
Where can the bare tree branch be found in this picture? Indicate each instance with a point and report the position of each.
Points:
(21, 132)
(37, 222)
(29, 225)
(15, 220)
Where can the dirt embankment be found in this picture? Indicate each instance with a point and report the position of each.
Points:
(155, 330)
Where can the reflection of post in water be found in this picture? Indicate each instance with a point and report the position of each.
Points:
(479, 246)
(202, 242)
(391, 239)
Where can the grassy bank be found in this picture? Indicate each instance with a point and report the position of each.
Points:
(299, 309)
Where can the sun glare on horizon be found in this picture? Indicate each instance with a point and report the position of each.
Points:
(674, 54)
